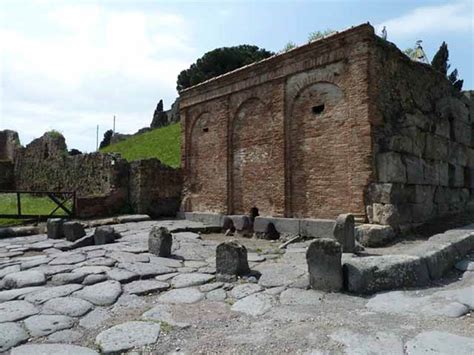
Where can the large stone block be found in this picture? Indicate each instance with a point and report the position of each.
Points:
(374, 235)
(450, 107)
(436, 148)
(54, 227)
(385, 214)
(422, 194)
(319, 228)
(462, 132)
(241, 222)
(457, 154)
(344, 232)
(231, 259)
(443, 173)
(160, 242)
(324, 265)
(430, 172)
(389, 193)
(390, 167)
(456, 175)
(282, 225)
(105, 235)
(73, 231)
(414, 169)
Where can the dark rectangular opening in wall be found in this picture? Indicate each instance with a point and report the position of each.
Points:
(205, 129)
(317, 110)
(451, 175)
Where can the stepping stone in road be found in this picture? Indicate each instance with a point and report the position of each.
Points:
(244, 290)
(128, 335)
(41, 325)
(15, 310)
(160, 241)
(11, 334)
(52, 349)
(10, 295)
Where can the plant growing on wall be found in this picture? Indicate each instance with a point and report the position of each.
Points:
(440, 63)
(220, 61)
(289, 46)
(313, 36)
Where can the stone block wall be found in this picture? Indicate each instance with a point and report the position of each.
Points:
(289, 135)
(154, 188)
(9, 144)
(423, 142)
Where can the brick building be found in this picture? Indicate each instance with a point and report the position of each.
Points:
(345, 124)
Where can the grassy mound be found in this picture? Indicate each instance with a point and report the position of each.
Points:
(162, 143)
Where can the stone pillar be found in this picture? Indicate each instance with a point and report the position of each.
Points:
(344, 232)
(54, 226)
(73, 231)
(231, 259)
(104, 235)
(324, 265)
(160, 242)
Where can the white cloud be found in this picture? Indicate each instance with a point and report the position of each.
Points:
(81, 64)
(454, 17)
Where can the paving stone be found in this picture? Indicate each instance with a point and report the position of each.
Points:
(188, 280)
(166, 277)
(379, 343)
(208, 270)
(18, 292)
(181, 295)
(101, 294)
(67, 278)
(298, 296)
(51, 292)
(91, 270)
(68, 306)
(254, 305)
(41, 325)
(128, 335)
(452, 310)
(124, 257)
(275, 290)
(186, 270)
(11, 334)
(169, 262)
(217, 295)
(15, 310)
(186, 236)
(95, 318)
(436, 342)
(52, 349)
(100, 261)
(143, 287)
(146, 269)
(463, 295)
(94, 278)
(244, 290)
(211, 286)
(276, 274)
(254, 257)
(50, 270)
(68, 258)
(9, 270)
(65, 336)
(163, 313)
(122, 275)
(24, 279)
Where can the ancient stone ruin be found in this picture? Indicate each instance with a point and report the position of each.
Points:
(347, 124)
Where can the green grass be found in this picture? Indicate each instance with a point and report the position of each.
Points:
(32, 205)
(162, 143)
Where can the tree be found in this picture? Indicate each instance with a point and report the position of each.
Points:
(75, 151)
(440, 63)
(106, 140)
(313, 36)
(220, 61)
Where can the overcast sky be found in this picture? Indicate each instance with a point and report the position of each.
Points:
(72, 65)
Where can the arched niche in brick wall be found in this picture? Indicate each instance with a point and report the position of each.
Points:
(318, 137)
(252, 158)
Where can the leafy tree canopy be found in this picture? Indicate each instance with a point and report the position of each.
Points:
(440, 63)
(107, 137)
(220, 61)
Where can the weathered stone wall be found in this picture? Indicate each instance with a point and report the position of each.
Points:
(154, 188)
(289, 135)
(9, 144)
(423, 141)
(7, 177)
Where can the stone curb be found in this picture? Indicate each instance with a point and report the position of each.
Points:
(11, 232)
(424, 263)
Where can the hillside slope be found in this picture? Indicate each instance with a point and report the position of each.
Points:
(162, 143)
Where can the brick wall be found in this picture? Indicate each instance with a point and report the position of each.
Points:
(260, 136)
(423, 142)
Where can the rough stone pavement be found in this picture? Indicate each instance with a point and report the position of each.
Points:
(118, 297)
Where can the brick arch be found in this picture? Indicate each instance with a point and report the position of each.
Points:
(318, 142)
(251, 157)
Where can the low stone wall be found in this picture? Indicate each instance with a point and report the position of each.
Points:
(154, 188)
(7, 180)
